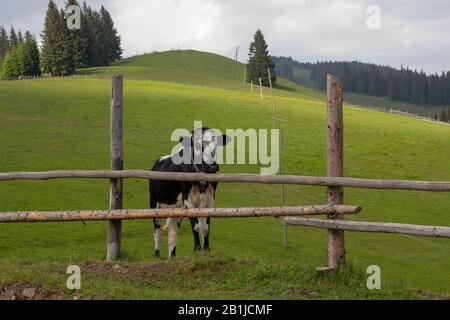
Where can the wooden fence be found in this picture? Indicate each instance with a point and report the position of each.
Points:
(334, 182)
(407, 114)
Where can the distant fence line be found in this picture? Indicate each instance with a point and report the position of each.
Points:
(404, 113)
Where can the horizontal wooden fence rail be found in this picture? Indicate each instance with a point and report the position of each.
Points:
(97, 215)
(238, 177)
(409, 229)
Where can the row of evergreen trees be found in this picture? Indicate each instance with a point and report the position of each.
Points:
(399, 85)
(97, 43)
(284, 66)
(63, 51)
(19, 55)
(7, 42)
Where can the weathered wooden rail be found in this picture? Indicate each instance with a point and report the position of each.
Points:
(114, 215)
(409, 229)
(334, 182)
(235, 177)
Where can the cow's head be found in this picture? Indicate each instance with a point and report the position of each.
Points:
(202, 145)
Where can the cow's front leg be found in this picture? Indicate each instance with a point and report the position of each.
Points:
(207, 201)
(195, 232)
(157, 234)
(173, 226)
(192, 201)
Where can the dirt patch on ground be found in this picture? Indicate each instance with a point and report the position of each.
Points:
(429, 295)
(120, 270)
(139, 271)
(309, 294)
(162, 270)
(24, 291)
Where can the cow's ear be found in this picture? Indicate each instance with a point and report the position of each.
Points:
(186, 141)
(223, 140)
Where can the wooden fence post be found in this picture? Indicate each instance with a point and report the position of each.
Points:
(116, 187)
(335, 195)
(260, 89)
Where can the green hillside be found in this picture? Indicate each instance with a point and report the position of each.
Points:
(187, 67)
(53, 124)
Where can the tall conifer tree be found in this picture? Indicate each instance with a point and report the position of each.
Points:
(13, 38)
(4, 43)
(20, 37)
(30, 59)
(57, 56)
(111, 49)
(11, 66)
(79, 40)
(260, 61)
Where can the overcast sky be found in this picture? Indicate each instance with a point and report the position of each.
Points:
(415, 33)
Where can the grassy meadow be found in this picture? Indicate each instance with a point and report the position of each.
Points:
(52, 124)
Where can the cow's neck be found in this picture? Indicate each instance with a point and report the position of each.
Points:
(194, 165)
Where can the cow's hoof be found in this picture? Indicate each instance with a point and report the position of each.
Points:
(173, 254)
(157, 254)
(207, 250)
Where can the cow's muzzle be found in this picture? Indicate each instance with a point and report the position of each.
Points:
(213, 168)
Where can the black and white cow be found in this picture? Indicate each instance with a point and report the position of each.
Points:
(198, 153)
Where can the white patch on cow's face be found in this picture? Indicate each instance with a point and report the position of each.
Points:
(210, 144)
(198, 143)
(205, 144)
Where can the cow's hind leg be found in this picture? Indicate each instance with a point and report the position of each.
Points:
(206, 236)
(157, 233)
(196, 233)
(173, 226)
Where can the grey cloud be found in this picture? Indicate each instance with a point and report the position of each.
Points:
(414, 32)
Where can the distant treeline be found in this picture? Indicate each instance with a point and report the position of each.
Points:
(97, 43)
(399, 85)
(284, 66)
(63, 51)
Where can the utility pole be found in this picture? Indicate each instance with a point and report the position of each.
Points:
(236, 58)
